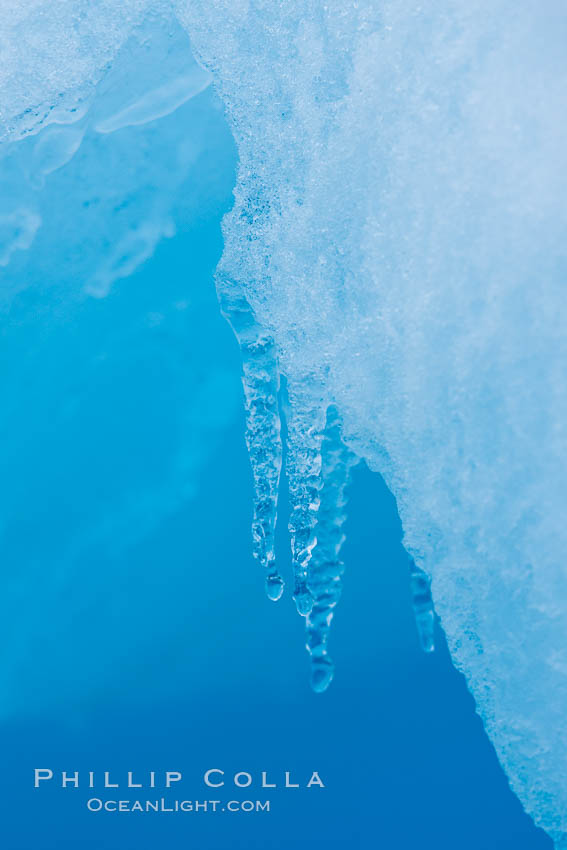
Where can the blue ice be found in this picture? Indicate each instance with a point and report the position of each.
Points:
(396, 250)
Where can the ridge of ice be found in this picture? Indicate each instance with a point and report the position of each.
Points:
(158, 102)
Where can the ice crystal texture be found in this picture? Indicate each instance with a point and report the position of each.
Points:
(397, 249)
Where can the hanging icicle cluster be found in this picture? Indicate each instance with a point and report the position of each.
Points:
(318, 465)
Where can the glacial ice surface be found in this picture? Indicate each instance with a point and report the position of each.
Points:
(397, 250)
(110, 418)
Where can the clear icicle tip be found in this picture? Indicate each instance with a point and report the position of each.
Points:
(423, 608)
(322, 672)
(274, 587)
(303, 601)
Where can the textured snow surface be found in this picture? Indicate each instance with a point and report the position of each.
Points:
(398, 247)
(400, 229)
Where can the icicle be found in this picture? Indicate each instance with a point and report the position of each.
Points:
(260, 378)
(303, 467)
(325, 567)
(423, 607)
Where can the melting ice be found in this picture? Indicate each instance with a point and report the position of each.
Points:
(397, 250)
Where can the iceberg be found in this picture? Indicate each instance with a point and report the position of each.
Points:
(397, 252)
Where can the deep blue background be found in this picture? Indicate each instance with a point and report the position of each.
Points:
(135, 634)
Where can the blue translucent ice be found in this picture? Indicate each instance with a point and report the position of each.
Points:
(397, 250)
